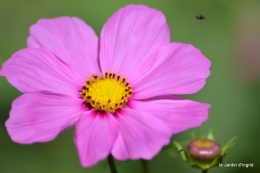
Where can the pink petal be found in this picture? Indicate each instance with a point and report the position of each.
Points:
(40, 117)
(141, 135)
(94, 137)
(70, 39)
(130, 35)
(174, 69)
(35, 69)
(177, 113)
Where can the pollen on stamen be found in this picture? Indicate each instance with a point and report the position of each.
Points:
(107, 92)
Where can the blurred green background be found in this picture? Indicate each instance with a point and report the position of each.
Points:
(229, 37)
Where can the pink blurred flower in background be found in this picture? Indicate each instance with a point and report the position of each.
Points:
(117, 91)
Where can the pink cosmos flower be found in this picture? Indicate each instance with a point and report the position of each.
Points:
(117, 91)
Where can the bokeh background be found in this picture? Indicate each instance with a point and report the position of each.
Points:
(229, 37)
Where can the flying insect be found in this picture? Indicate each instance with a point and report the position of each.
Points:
(200, 17)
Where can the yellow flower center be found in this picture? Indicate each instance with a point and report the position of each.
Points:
(108, 92)
(204, 143)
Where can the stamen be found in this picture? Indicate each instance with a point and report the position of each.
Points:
(109, 92)
(94, 76)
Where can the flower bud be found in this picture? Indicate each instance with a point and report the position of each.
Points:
(203, 153)
(204, 150)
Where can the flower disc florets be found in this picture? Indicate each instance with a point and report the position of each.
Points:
(108, 92)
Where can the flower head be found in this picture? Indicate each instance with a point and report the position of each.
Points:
(203, 153)
(117, 91)
(204, 150)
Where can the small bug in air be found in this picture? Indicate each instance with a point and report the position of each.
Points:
(200, 17)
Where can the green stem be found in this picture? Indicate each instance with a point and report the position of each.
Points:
(145, 166)
(205, 171)
(111, 163)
